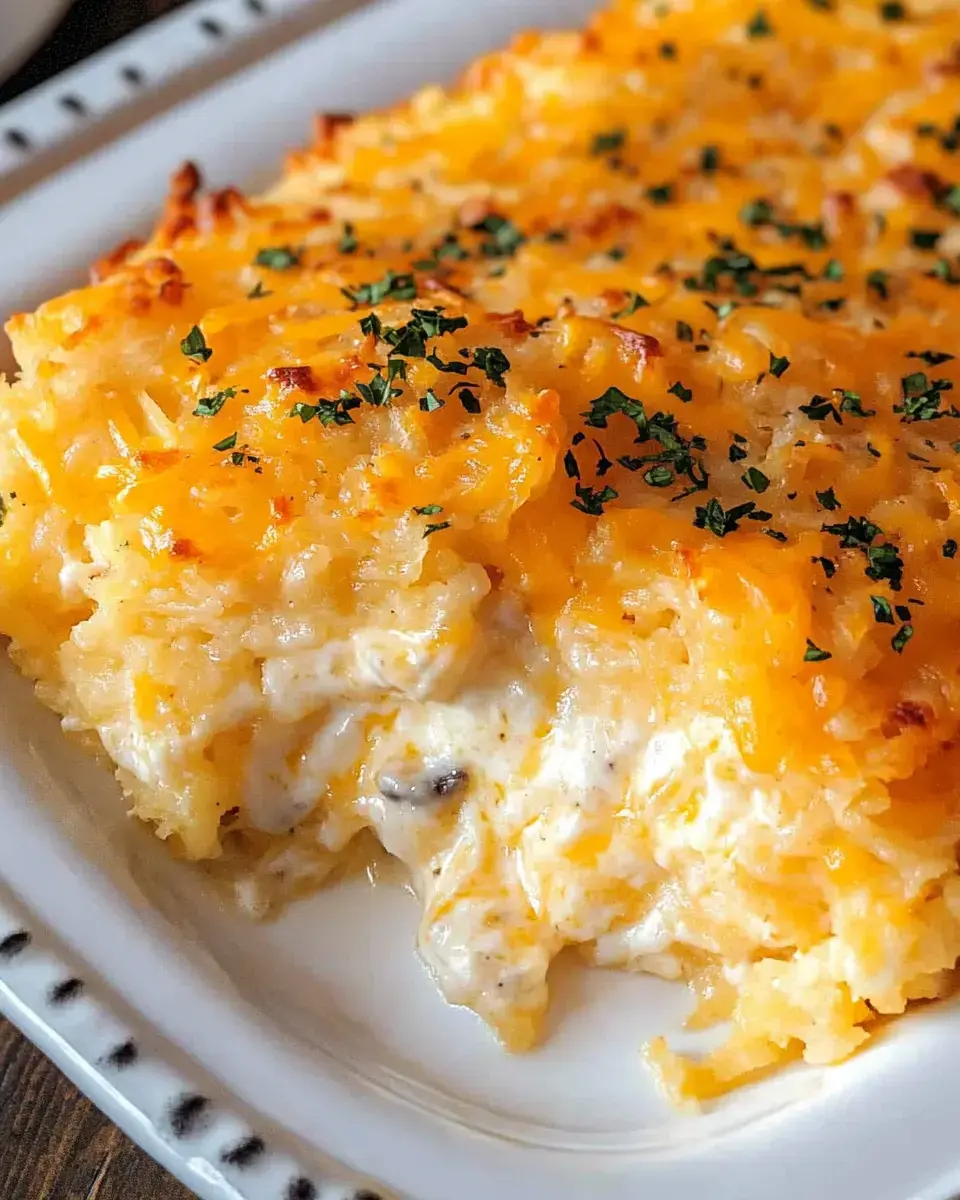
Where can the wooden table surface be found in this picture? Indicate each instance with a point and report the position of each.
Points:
(54, 1145)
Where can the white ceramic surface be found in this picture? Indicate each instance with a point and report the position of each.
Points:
(320, 1036)
(23, 24)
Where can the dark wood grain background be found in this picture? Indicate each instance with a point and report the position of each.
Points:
(54, 1145)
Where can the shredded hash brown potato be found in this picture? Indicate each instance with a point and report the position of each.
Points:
(557, 476)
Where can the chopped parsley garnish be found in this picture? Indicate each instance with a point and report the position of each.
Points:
(712, 517)
(591, 501)
(851, 403)
(925, 239)
(736, 453)
(258, 291)
(933, 358)
(829, 566)
(430, 401)
(493, 362)
(634, 301)
(435, 528)
(709, 159)
(392, 286)
(682, 393)
(684, 332)
(950, 548)
(757, 212)
(658, 477)
(882, 610)
(469, 400)
(819, 409)
(883, 560)
(279, 258)
(813, 653)
(901, 637)
(759, 25)
(227, 443)
(833, 271)
(877, 282)
(504, 240)
(661, 193)
(778, 365)
(755, 480)
(209, 406)
(348, 242)
(828, 500)
(194, 346)
(570, 465)
(943, 271)
(428, 510)
(921, 398)
(609, 142)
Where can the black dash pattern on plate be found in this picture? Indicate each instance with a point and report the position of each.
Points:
(64, 992)
(244, 1153)
(14, 943)
(187, 1114)
(123, 1055)
(301, 1189)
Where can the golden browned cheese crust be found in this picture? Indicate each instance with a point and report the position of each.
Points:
(579, 443)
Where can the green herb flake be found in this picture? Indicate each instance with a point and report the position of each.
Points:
(428, 510)
(348, 241)
(709, 159)
(609, 142)
(828, 500)
(828, 565)
(755, 480)
(813, 653)
(901, 637)
(570, 465)
(504, 240)
(759, 25)
(736, 453)
(877, 281)
(949, 548)
(661, 193)
(756, 213)
(228, 443)
(819, 409)
(684, 332)
(882, 610)
(925, 239)
(778, 365)
(258, 291)
(833, 271)
(469, 400)
(933, 358)
(682, 393)
(430, 401)
(435, 528)
(209, 406)
(591, 501)
(194, 346)
(392, 286)
(493, 362)
(634, 301)
(279, 258)
(712, 517)
(893, 10)
(658, 477)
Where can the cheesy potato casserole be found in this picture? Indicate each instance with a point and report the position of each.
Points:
(557, 476)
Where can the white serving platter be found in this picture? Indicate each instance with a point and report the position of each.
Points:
(312, 1058)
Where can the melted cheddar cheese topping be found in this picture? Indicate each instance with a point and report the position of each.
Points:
(557, 476)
